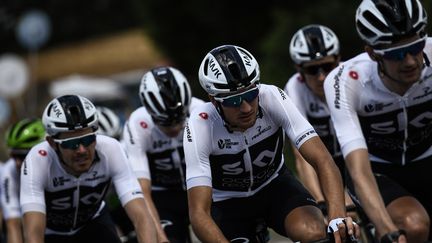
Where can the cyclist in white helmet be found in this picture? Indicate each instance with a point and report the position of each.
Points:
(315, 51)
(153, 136)
(64, 180)
(236, 173)
(381, 111)
(109, 122)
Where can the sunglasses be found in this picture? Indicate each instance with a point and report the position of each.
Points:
(398, 53)
(237, 99)
(321, 68)
(75, 142)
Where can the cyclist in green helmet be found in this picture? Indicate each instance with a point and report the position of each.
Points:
(20, 138)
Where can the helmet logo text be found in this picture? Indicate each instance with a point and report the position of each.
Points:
(214, 69)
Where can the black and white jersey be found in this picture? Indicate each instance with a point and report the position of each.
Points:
(10, 186)
(69, 201)
(239, 164)
(315, 110)
(152, 154)
(366, 114)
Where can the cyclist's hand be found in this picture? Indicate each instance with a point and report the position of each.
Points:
(398, 236)
(344, 230)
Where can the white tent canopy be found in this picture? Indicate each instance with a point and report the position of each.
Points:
(93, 88)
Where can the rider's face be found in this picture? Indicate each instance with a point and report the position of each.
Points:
(404, 65)
(243, 115)
(76, 148)
(315, 72)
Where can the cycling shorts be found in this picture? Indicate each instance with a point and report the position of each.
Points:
(238, 217)
(413, 179)
(172, 207)
(99, 229)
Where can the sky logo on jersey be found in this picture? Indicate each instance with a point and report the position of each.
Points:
(161, 143)
(375, 107)
(226, 143)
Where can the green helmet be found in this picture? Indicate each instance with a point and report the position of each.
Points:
(25, 134)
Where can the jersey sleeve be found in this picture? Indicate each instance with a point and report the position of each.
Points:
(293, 89)
(197, 148)
(342, 95)
(34, 170)
(10, 191)
(125, 182)
(285, 113)
(136, 135)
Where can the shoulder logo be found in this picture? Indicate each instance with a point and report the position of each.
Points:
(42, 152)
(188, 133)
(354, 75)
(143, 124)
(203, 115)
(336, 86)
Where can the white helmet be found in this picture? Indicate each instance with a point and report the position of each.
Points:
(69, 113)
(313, 42)
(109, 122)
(166, 94)
(387, 21)
(226, 69)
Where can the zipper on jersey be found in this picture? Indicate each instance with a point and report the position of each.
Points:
(76, 202)
(405, 117)
(249, 163)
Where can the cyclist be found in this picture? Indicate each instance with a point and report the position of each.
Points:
(315, 51)
(236, 173)
(380, 107)
(153, 136)
(20, 138)
(109, 122)
(64, 180)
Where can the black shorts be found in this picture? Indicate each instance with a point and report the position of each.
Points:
(413, 179)
(172, 207)
(238, 217)
(99, 229)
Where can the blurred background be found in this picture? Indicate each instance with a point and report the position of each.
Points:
(101, 48)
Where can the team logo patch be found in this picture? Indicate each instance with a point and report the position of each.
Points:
(43, 152)
(143, 124)
(354, 75)
(203, 115)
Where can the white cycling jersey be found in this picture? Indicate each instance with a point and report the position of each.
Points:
(395, 129)
(69, 201)
(10, 190)
(315, 110)
(239, 164)
(152, 154)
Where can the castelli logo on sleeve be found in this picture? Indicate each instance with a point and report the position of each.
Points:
(353, 75)
(143, 124)
(43, 152)
(203, 115)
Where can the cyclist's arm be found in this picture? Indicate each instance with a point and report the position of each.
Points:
(14, 230)
(307, 176)
(139, 214)
(200, 198)
(366, 188)
(314, 151)
(146, 188)
(34, 227)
